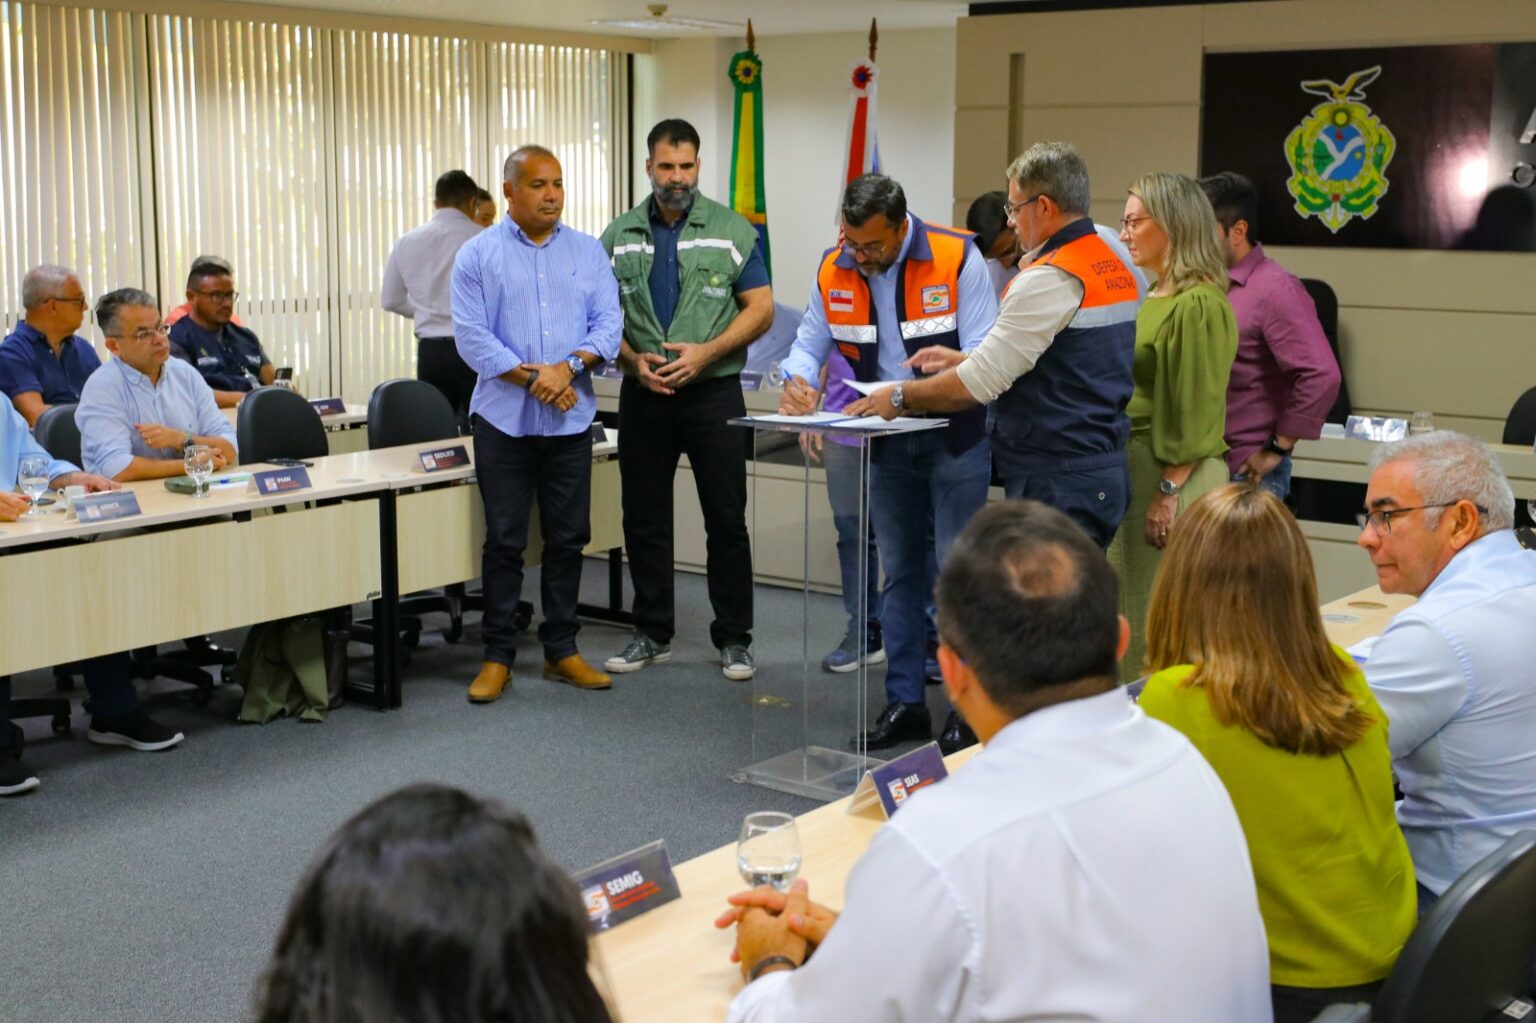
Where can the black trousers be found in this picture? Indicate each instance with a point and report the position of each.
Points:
(513, 473)
(438, 363)
(108, 683)
(654, 430)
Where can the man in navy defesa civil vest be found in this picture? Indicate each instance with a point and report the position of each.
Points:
(895, 286)
(229, 357)
(1058, 360)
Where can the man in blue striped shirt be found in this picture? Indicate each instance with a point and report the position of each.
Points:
(535, 307)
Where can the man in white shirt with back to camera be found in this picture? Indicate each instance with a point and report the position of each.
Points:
(1088, 865)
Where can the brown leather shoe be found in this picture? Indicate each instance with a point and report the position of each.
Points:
(487, 686)
(577, 672)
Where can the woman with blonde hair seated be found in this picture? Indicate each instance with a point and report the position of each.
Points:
(1242, 667)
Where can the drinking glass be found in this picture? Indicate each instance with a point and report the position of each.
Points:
(1422, 422)
(32, 475)
(198, 461)
(776, 374)
(769, 850)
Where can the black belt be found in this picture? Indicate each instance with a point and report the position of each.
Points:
(448, 338)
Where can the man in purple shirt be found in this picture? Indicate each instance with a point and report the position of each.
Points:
(1285, 377)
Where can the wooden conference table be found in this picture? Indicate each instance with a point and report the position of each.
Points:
(672, 966)
(372, 526)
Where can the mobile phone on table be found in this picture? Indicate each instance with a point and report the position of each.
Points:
(289, 462)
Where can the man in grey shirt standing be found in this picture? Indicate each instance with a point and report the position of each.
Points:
(416, 286)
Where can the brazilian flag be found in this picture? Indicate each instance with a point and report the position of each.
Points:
(747, 195)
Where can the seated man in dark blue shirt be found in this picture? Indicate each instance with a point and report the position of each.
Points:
(43, 362)
(229, 357)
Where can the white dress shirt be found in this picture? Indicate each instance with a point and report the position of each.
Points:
(1456, 675)
(118, 397)
(1087, 866)
(417, 278)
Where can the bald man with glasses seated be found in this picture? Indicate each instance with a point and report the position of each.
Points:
(1454, 672)
(43, 362)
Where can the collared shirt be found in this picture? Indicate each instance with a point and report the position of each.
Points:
(515, 302)
(1456, 675)
(27, 363)
(418, 276)
(1285, 378)
(1088, 865)
(666, 286)
(975, 316)
(229, 358)
(119, 397)
(16, 443)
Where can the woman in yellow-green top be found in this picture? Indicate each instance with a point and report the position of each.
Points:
(1242, 667)
(1186, 339)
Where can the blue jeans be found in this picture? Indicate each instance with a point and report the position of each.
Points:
(843, 494)
(1278, 482)
(918, 486)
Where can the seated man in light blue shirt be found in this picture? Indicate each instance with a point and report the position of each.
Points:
(116, 719)
(141, 411)
(1456, 672)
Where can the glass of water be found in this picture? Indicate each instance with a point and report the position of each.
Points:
(776, 374)
(1422, 422)
(769, 850)
(32, 475)
(198, 461)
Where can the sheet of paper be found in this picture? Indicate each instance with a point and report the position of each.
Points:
(815, 417)
(870, 388)
(900, 424)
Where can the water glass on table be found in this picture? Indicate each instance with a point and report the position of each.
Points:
(1422, 422)
(32, 476)
(769, 850)
(198, 461)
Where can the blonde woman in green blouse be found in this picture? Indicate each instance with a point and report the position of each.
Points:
(1240, 664)
(1186, 339)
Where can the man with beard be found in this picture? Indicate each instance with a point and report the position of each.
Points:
(695, 293)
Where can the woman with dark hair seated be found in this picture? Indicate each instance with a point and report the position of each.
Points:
(1242, 667)
(433, 905)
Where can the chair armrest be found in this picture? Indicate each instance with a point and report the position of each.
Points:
(1344, 1013)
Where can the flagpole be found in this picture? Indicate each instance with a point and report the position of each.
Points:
(874, 37)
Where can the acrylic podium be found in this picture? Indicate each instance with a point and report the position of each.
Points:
(808, 724)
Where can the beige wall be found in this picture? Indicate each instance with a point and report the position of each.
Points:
(1450, 332)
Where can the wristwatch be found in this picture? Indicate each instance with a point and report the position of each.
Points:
(1168, 487)
(188, 442)
(1273, 447)
(578, 367)
(898, 402)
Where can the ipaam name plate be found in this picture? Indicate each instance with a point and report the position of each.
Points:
(626, 886)
(104, 507)
(455, 457)
(328, 406)
(278, 481)
(893, 783)
(751, 380)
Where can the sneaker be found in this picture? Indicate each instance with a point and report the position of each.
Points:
(15, 777)
(642, 650)
(137, 731)
(848, 655)
(736, 663)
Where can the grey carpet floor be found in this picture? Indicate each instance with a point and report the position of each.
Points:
(149, 886)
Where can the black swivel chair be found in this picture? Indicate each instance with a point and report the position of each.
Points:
(1469, 959)
(274, 422)
(1327, 304)
(57, 433)
(1520, 430)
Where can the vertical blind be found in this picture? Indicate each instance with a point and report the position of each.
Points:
(132, 143)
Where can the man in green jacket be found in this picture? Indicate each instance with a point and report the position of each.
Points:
(695, 293)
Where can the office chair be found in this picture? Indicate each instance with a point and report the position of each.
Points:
(274, 422)
(1469, 959)
(57, 433)
(1520, 429)
(1327, 304)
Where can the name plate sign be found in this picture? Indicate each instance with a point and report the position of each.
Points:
(892, 784)
(328, 406)
(455, 457)
(628, 885)
(278, 481)
(1378, 428)
(751, 380)
(612, 370)
(104, 507)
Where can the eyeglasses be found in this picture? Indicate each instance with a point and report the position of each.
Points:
(1012, 208)
(869, 250)
(77, 301)
(219, 296)
(1381, 519)
(1129, 223)
(144, 334)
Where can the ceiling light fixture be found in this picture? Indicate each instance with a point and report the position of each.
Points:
(660, 22)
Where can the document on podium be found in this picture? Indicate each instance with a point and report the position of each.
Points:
(901, 424)
(872, 386)
(814, 419)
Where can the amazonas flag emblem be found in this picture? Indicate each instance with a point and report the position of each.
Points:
(747, 194)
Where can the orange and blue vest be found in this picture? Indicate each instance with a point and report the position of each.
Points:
(1068, 412)
(927, 307)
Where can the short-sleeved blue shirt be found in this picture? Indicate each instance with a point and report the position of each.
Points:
(666, 287)
(27, 363)
(230, 358)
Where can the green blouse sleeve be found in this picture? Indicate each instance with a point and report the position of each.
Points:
(1194, 349)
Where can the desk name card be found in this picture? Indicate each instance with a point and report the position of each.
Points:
(445, 458)
(328, 406)
(1379, 428)
(278, 481)
(628, 885)
(104, 507)
(893, 783)
(612, 370)
(751, 380)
